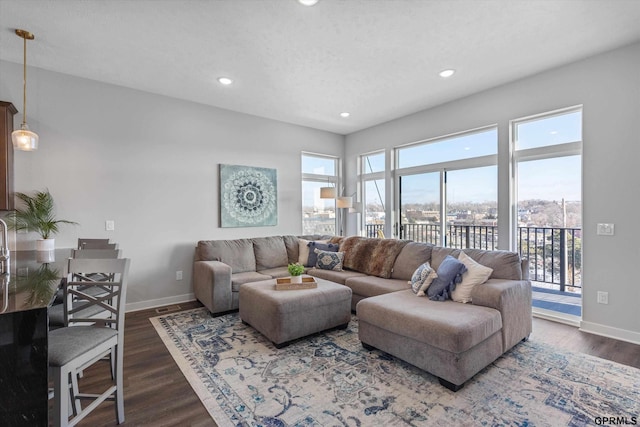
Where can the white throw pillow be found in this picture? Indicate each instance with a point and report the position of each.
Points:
(476, 274)
(303, 252)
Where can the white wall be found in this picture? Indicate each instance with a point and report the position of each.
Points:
(151, 164)
(608, 85)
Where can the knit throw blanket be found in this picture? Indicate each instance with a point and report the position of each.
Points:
(374, 257)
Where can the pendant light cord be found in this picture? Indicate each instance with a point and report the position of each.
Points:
(24, 84)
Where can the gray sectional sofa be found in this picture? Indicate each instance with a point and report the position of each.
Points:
(221, 266)
(451, 340)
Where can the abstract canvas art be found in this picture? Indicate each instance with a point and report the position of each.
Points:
(248, 196)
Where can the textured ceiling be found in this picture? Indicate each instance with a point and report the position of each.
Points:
(377, 59)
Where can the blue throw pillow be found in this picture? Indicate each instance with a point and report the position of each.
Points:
(313, 257)
(449, 275)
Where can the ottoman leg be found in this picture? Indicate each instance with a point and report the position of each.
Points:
(281, 345)
(367, 346)
(451, 386)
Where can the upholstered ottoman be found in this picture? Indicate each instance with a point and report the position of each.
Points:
(283, 316)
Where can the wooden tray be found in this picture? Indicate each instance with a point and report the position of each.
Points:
(284, 284)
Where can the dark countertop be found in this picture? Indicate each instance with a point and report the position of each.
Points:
(35, 277)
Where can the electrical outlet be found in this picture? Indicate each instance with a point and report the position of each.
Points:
(603, 297)
(110, 225)
(179, 275)
(604, 229)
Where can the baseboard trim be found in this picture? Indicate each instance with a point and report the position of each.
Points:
(610, 332)
(144, 305)
(556, 316)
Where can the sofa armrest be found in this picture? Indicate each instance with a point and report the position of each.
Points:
(512, 298)
(212, 285)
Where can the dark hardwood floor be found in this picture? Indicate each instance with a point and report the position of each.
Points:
(157, 394)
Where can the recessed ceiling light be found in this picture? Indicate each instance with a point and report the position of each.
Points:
(225, 80)
(447, 73)
(345, 114)
(307, 2)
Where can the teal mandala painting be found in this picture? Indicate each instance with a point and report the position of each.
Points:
(248, 196)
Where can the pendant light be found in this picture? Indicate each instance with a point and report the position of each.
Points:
(23, 139)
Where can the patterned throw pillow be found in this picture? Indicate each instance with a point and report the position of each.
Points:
(329, 260)
(422, 278)
(313, 257)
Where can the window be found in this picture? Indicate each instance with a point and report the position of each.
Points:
(318, 215)
(372, 178)
(548, 163)
(372, 163)
(448, 190)
(459, 147)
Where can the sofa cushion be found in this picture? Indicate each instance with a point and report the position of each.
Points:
(447, 325)
(369, 286)
(238, 254)
(505, 264)
(270, 252)
(276, 272)
(334, 276)
(413, 255)
(329, 260)
(422, 279)
(239, 279)
(449, 275)
(313, 257)
(371, 256)
(438, 254)
(475, 275)
(291, 243)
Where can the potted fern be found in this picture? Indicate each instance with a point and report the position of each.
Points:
(37, 215)
(296, 270)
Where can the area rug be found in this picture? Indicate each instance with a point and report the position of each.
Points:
(328, 379)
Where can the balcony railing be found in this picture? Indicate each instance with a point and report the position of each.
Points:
(554, 253)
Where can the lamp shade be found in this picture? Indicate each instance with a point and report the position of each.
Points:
(23, 139)
(327, 192)
(344, 202)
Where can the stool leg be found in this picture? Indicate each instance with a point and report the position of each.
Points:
(60, 396)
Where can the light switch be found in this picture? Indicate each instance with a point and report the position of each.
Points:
(110, 225)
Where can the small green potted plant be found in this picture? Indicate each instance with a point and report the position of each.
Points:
(296, 270)
(37, 215)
